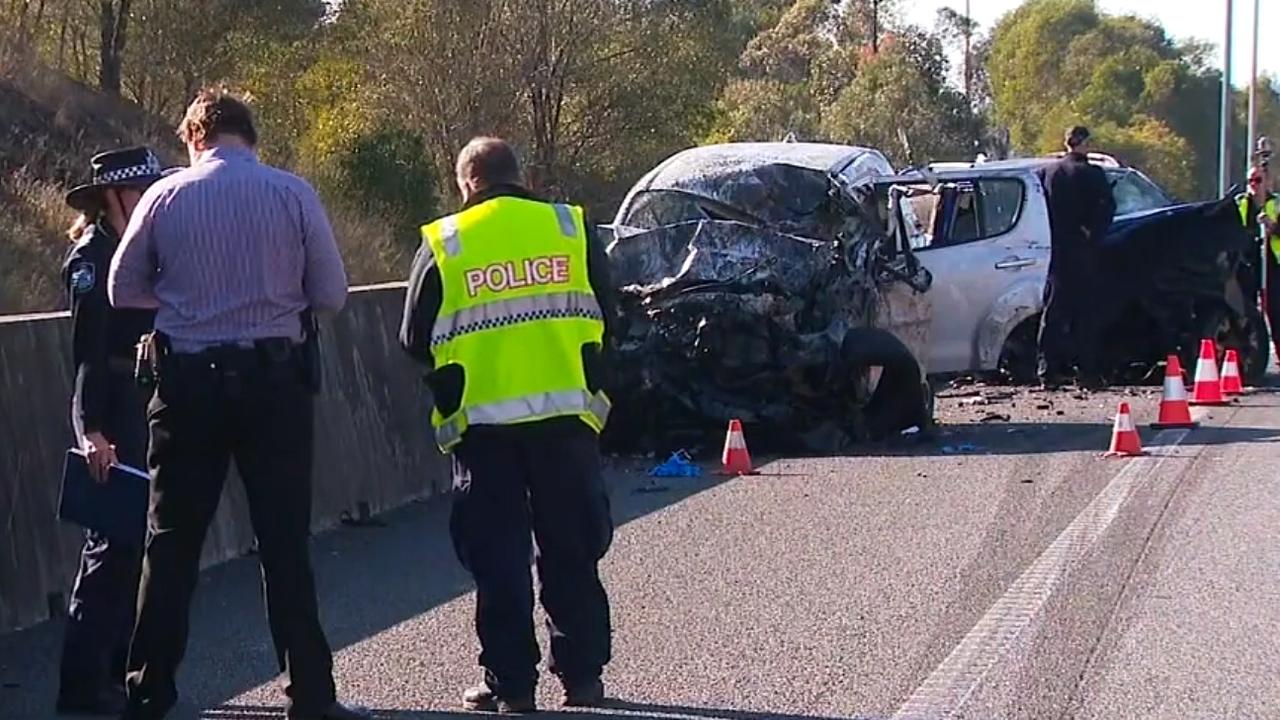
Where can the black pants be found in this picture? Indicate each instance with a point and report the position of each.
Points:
(260, 413)
(542, 478)
(1070, 329)
(100, 614)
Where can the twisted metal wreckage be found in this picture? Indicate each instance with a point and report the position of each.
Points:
(759, 283)
(770, 283)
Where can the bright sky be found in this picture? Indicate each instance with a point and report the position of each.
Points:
(1201, 19)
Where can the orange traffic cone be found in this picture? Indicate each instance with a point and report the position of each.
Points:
(735, 460)
(1231, 384)
(1124, 436)
(1175, 411)
(1208, 388)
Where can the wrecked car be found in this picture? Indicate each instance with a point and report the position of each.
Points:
(1172, 270)
(758, 281)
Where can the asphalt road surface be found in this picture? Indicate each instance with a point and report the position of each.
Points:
(1000, 569)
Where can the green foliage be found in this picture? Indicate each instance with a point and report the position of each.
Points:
(899, 103)
(1026, 65)
(1060, 62)
(815, 73)
(390, 172)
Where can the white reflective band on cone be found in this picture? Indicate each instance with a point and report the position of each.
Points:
(1174, 389)
(1206, 371)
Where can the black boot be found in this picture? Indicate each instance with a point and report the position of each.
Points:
(481, 699)
(584, 694)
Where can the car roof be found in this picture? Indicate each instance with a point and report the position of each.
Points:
(719, 171)
(1102, 160)
(727, 158)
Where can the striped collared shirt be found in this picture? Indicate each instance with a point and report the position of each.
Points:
(228, 250)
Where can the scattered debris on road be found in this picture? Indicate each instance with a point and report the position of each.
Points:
(678, 465)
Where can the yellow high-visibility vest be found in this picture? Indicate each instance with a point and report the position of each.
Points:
(1272, 209)
(516, 310)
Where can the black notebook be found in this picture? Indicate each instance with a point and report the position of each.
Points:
(116, 508)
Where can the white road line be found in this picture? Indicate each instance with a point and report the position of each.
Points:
(947, 689)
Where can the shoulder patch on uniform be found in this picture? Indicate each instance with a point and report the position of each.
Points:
(83, 277)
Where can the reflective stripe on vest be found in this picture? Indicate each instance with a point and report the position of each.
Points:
(449, 234)
(567, 402)
(502, 313)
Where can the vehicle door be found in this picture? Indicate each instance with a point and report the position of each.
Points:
(979, 236)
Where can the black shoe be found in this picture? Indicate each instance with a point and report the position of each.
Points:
(481, 699)
(587, 694)
(336, 711)
(109, 702)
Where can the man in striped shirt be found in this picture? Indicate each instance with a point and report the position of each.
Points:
(233, 255)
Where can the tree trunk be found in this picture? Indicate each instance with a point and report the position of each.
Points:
(114, 23)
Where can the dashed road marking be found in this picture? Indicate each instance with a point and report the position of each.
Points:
(950, 686)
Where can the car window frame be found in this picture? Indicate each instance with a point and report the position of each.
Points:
(1142, 185)
(976, 180)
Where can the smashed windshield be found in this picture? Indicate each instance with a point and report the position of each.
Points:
(781, 196)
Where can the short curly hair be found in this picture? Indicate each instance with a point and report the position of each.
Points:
(216, 112)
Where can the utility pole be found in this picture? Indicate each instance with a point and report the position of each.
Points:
(1253, 84)
(968, 33)
(1224, 146)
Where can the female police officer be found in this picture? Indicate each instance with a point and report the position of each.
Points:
(108, 415)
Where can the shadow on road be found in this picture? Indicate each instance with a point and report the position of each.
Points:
(369, 579)
(612, 709)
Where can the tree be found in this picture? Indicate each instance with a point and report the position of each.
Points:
(1028, 48)
(1055, 63)
(900, 103)
(591, 91)
(113, 26)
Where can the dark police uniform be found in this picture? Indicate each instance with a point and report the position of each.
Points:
(539, 479)
(1081, 206)
(106, 400)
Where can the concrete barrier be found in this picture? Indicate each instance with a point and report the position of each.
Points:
(374, 449)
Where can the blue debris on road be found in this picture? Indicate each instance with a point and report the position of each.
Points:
(678, 465)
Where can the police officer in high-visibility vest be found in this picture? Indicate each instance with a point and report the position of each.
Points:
(508, 305)
(1260, 213)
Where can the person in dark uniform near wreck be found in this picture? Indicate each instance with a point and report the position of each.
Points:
(508, 304)
(108, 416)
(1081, 207)
(1260, 213)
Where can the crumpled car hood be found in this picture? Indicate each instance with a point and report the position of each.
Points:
(1175, 267)
(724, 319)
